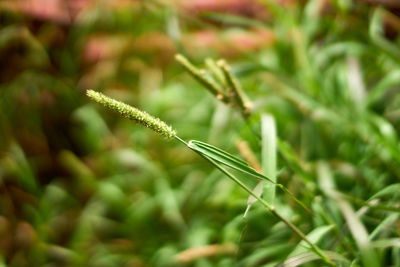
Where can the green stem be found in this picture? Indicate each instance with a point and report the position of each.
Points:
(200, 77)
(181, 140)
(269, 207)
(238, 93)
(245, 106)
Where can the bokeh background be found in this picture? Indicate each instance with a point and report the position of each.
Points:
(80, 186)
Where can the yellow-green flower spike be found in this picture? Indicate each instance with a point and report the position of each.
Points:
(134, 114)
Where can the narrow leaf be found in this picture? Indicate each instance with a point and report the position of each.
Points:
(384, 243)
(359, 233)
(309, 256)
(225, 159)
(251, 200)
(268, 154)
(219, 151)
(378, 91)
(314, 236)
(392, 190)
(376, 32)
(384, 225)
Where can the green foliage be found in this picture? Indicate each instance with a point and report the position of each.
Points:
(317, 106)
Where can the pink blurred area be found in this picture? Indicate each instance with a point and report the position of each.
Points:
(242, 7)
(60, 11)
(228, 44)
(105, 46)
(65, 11)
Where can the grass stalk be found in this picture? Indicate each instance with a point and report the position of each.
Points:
(269, 207)
(238, 94)
(165, 130)
(200, 77)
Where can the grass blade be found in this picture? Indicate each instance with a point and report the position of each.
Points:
(271, 209)
(219, 152)
(376, 33)
(308, 257)
(360, 234)
(378, 91)
(384, 243)
(357, 229)
(391, 190)
(258, 190)
(225, 159)
(314, 236)
(268, 154)
(384, 225)
(229, 160)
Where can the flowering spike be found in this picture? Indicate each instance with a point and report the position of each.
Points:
(134, 114)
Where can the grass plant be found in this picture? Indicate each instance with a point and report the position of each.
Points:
(298, 104)
(212, 154)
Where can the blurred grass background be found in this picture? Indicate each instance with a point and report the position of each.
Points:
(80, 186)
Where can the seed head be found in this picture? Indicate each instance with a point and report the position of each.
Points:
(138, 116)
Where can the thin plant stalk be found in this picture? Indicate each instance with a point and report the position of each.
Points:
(241, 98)
(269, 207)
(201, 78)
(165, 130)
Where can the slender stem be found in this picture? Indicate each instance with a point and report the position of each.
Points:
(271, 208)
(369, 204)
(285, 190)
(245, 106)
(215, 71)
(266, 205)
(200, 77)
(238, 93)
(180, 140)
